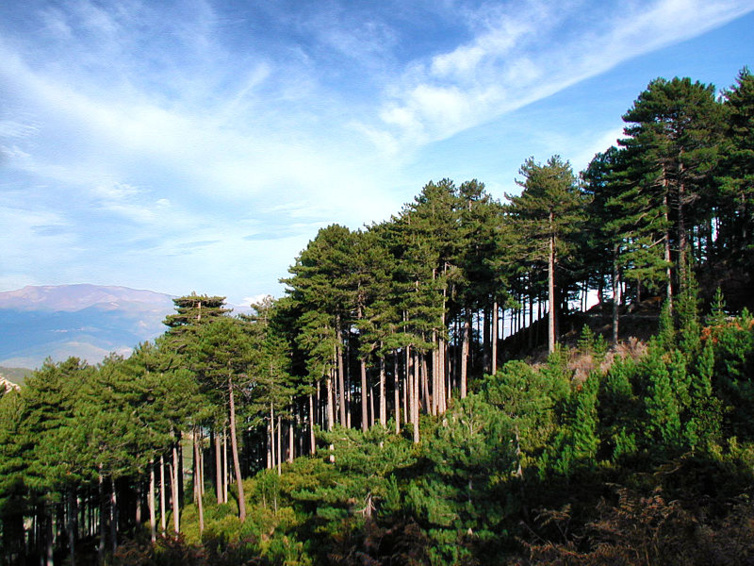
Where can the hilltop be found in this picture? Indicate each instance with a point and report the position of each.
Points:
(85, 321)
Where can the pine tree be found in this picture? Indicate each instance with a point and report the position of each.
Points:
(14, 445)
(672, 140)
(269, 369)
(547, 214)
(191, 311)
(735, 201)
(223, 357)
(320, 287)
(663, 424)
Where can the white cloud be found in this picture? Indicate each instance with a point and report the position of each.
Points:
(529, 51)
(172, 151)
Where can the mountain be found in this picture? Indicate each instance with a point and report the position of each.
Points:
(15, 376)
(86, 321)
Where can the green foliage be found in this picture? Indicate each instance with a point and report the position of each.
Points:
(526, 399)
(357, 482)
(619, 410)
(666, 333)
(670, 206)
(704, 426)
(733, 374)
(663, 424)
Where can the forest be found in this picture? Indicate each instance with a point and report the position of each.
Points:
(564, 376)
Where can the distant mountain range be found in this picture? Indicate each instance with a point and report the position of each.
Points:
(86, 321)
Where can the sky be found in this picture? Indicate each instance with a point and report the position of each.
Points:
(197, 146)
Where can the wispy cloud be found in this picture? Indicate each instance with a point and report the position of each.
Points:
(203, 144)
(528, 51)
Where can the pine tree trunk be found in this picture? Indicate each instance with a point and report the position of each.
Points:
(407, 395)
(225, 466)
(364, 393)
(234, 448)
(163, 504)
(383, 401)
(682, 237)
(102, 516)
(113, 516)
(272, 459)
(330, 402)
(371, 406)
(396, 394)
(198, 480)
(433, 389)
(551, 291)
(424, 380)
(280, 445)
(495, 325)
(139, 488)
(152, 510)
(415, 397)
(668, 269)
(202, 481)
(465, 339)
(616, 294)
(175, 491)
(49, 536)
(73, 526)
(312, 445)
(291, 440)
(219, 479)
(486, 339)
(181, 490)
(341, 376)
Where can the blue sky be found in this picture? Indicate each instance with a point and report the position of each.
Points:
(199, 145)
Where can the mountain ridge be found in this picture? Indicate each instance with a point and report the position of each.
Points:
(76, 297)
(82, 320)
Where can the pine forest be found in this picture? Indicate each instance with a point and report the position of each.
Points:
(561, 376)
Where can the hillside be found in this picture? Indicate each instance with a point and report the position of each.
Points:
(14, 375)
(86, 321)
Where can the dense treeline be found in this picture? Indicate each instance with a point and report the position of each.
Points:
(374, 364)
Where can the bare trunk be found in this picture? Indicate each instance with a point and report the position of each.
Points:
(49, 534)
(102, 516)
(364, 394)
(495, 337)
(426, 398)
(280, 445)
(330, 402)
(312, 444)
(152, 510)
(465, 339)
(682, 238)
(272, 459)
(341, 376)
(551, 291)
(415, 398)
(616, 294)
(219, 479)
(383, 401)
(73, 526)
(225, 466)
(234, 448)
(397, 394)
(198, 479)
(291, 440)
(113, 516)
(163, 505)
(669, 268)
(202, 482)
(174, 489)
